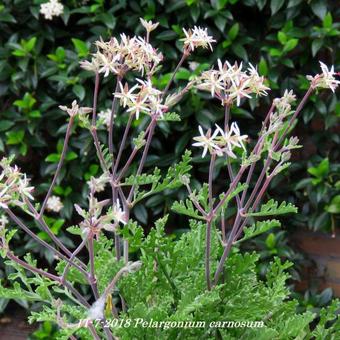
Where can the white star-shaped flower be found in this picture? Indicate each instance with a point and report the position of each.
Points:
(197, 37)
(137, 106)
(125, 94)
(118, 213)
(148, 25)
(207, 141)
(325, 79)
(230, 138)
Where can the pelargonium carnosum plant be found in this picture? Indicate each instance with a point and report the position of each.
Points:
(231, 84)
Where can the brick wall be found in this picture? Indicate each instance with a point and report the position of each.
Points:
(325, 252)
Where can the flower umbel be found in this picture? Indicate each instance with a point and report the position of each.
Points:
(197, 37)
(142, 97)
(326, 79)
(283, 104)
(95, 220)
(229, 83)
(75, 109)
(97, 184)
(149, 25)
(14, 185)
(118, 57)
(105, 117)
(221, 141)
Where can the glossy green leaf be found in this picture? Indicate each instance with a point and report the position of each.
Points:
(81, 47)
(15, 137)
(275, 5)
(319, 8)
(334, 206)
(233, 32)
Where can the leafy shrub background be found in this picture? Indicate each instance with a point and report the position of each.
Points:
(39, 71)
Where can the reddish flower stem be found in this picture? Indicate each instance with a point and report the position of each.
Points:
(207, 253)
(15, 219)
(144, 155)
(59, 166)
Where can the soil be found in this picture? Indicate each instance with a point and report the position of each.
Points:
(14, 325)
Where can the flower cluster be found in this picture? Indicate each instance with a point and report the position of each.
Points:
(3, 221)
(142, 97)
(230, 83)
(95, 220)
(283, 104)
(14, 185)
(118, 57)
(197, 37)
(149, 25)
(325, 80)
(282, 109)
(54, 204)
(97, 184)
(118, 214)
(75, 109)
(105, 117)
(220, 141)
(51, 9)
